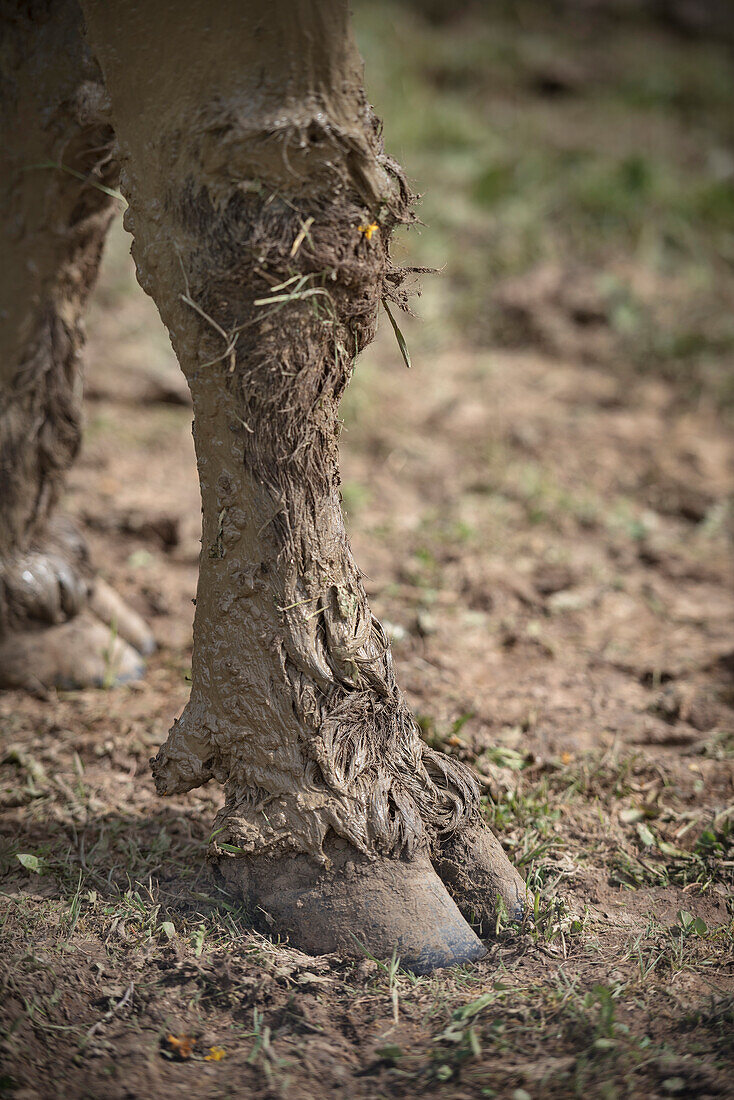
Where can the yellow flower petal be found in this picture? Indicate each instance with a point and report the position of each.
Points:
(368, 230)
(215, 1054)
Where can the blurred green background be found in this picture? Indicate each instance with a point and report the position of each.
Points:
(576, 167)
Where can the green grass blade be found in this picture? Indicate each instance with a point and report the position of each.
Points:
(398, 335)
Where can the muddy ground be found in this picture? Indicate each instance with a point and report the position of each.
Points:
(541, 509)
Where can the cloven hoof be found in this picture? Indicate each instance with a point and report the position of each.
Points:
(80, 653)
(480, 877)
(103, 646)
(356, 907)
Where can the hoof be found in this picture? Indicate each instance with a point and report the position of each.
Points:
(480, 877)
(356, 907)
(114, 612)
(82, 652)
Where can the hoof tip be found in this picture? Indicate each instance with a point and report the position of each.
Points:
(457, 953)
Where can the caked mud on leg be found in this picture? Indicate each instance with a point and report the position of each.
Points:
(58, 171)
(250, 189)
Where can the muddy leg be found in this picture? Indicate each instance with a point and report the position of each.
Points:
(261, 205)
(54, 224)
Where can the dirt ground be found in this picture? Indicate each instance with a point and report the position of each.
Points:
(545, 531)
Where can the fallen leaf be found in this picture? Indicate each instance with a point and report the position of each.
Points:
(215, 1054)
(645, 835)
(30, 862)
(182, 1044)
